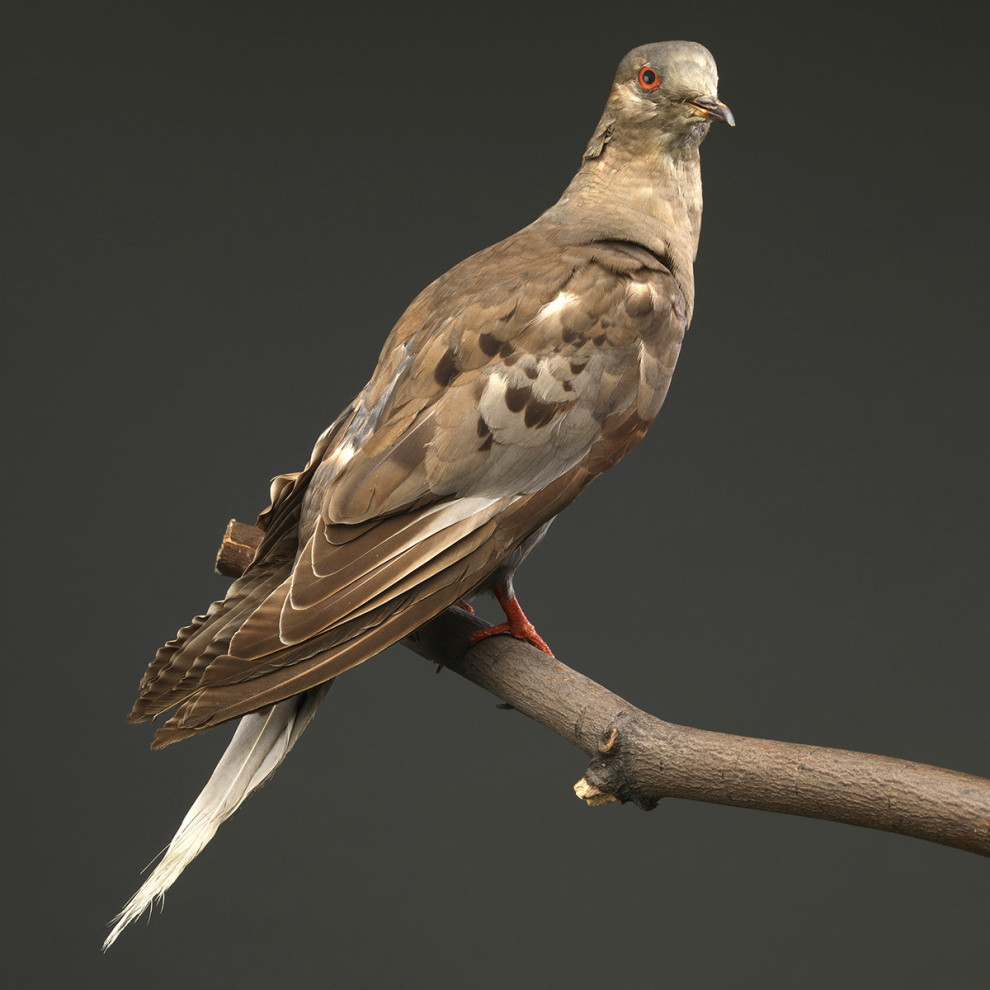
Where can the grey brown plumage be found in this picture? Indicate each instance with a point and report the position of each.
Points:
(462, 445)
(505, 388)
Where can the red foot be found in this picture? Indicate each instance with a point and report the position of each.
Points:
(464, 604)
(518, 625)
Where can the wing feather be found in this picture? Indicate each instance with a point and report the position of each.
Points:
(507, 386)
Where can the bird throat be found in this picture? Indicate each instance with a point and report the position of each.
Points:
(648, 194)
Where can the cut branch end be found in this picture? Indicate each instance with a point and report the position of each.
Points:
(592, 796)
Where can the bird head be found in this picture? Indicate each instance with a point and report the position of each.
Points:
(667, 92)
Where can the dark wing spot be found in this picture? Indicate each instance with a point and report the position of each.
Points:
(578, 366)
(484, 430)
(489, 344)
(599, 340)
(446, 369)
(487, 445)
(507, 350)
(508, 316)
(539, 413)
(531, 372)
(517, 397)
(568, 387)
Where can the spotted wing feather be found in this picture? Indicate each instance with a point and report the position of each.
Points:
(506, 387)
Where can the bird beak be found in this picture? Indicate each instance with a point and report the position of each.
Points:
(712, 109)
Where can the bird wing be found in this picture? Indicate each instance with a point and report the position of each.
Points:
(504, 389)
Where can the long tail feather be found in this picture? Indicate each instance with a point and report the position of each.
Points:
(261, 742)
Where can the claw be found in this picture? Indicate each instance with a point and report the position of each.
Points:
(517, 625)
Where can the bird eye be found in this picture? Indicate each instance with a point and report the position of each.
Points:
(648, 79)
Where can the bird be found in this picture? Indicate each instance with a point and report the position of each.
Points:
(505, 388)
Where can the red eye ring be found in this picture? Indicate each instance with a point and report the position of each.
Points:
(648, 79)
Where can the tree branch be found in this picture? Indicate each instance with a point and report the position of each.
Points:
(638, 757)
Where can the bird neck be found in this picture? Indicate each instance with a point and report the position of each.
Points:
(650, 196)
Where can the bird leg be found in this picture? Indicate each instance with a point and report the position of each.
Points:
(517, 625)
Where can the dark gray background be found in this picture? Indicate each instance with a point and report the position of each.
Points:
(213, 215)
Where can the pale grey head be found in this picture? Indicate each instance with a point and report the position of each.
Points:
(668, 89)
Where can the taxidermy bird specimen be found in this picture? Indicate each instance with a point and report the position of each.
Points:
(506, 387)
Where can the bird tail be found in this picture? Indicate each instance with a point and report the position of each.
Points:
(262, 740)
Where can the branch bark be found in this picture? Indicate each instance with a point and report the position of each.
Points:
(640, 758)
